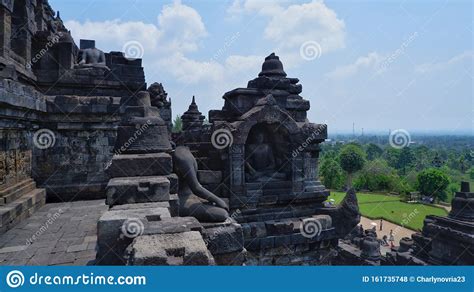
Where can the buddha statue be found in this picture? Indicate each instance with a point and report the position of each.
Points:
(260, 160)
(90, 56)
(194, 199)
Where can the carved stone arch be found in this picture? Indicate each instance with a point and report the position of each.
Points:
(268, 115)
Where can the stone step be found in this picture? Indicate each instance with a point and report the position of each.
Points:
(14, 192)
(13, 188)
(20, 209)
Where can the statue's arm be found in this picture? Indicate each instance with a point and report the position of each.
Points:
(203, 193)
(102, 58)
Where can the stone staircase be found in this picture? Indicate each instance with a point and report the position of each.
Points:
(19, 202)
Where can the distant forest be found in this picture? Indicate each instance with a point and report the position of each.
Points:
(432, 165)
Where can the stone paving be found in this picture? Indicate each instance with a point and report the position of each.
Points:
(56, 234)
(66, 234)
(398, 231)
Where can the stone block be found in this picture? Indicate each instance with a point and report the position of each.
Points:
(283, 240)
(173, 225)
(277, 227)
(174, 205)
(117, 228)
(151, 164)
(224, 238)
(128, 190)
(267, 242)
(187, 248)
(237, 258)
(141, 206)
(258, 229)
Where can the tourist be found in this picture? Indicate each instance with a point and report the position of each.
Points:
(381, 223)
(385, 241)
(391, 238)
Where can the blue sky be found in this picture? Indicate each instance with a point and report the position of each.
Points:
(380, 64)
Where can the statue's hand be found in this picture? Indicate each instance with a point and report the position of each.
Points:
(220, 203)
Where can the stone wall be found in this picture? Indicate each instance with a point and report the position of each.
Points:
(20, 108)
(74, 140)
(84, 131)
(57, 118)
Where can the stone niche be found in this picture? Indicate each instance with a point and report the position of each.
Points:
(273, 155)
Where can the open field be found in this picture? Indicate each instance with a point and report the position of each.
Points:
(390, 208)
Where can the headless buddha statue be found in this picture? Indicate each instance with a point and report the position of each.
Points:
(260, 160)
(194, 199)
(91, 57)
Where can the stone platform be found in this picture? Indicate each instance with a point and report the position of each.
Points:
(56, 234)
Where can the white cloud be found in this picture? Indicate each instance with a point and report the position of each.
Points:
(114, 34)
(372, 61)
(288, 27)
(439, 66)
(237, 63)
(180, 29)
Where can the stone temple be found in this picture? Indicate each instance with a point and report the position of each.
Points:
(80, 124)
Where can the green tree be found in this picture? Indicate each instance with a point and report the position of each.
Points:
(177, 125)
(376, 175)
(471, 172)
(331, 173)
(373, 151)
(406, 159)
(351, 160)
(422, 156)
(433, 182)
(392, 155)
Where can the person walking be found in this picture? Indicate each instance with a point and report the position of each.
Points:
(381, 223)
(391, 238)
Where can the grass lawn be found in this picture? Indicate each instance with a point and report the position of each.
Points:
(377, 206)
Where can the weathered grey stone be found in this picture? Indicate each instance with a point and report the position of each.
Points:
(117, 228)
(187, 248)
(224, 238)
(149, 164)
(127, 190)
(173, 225)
